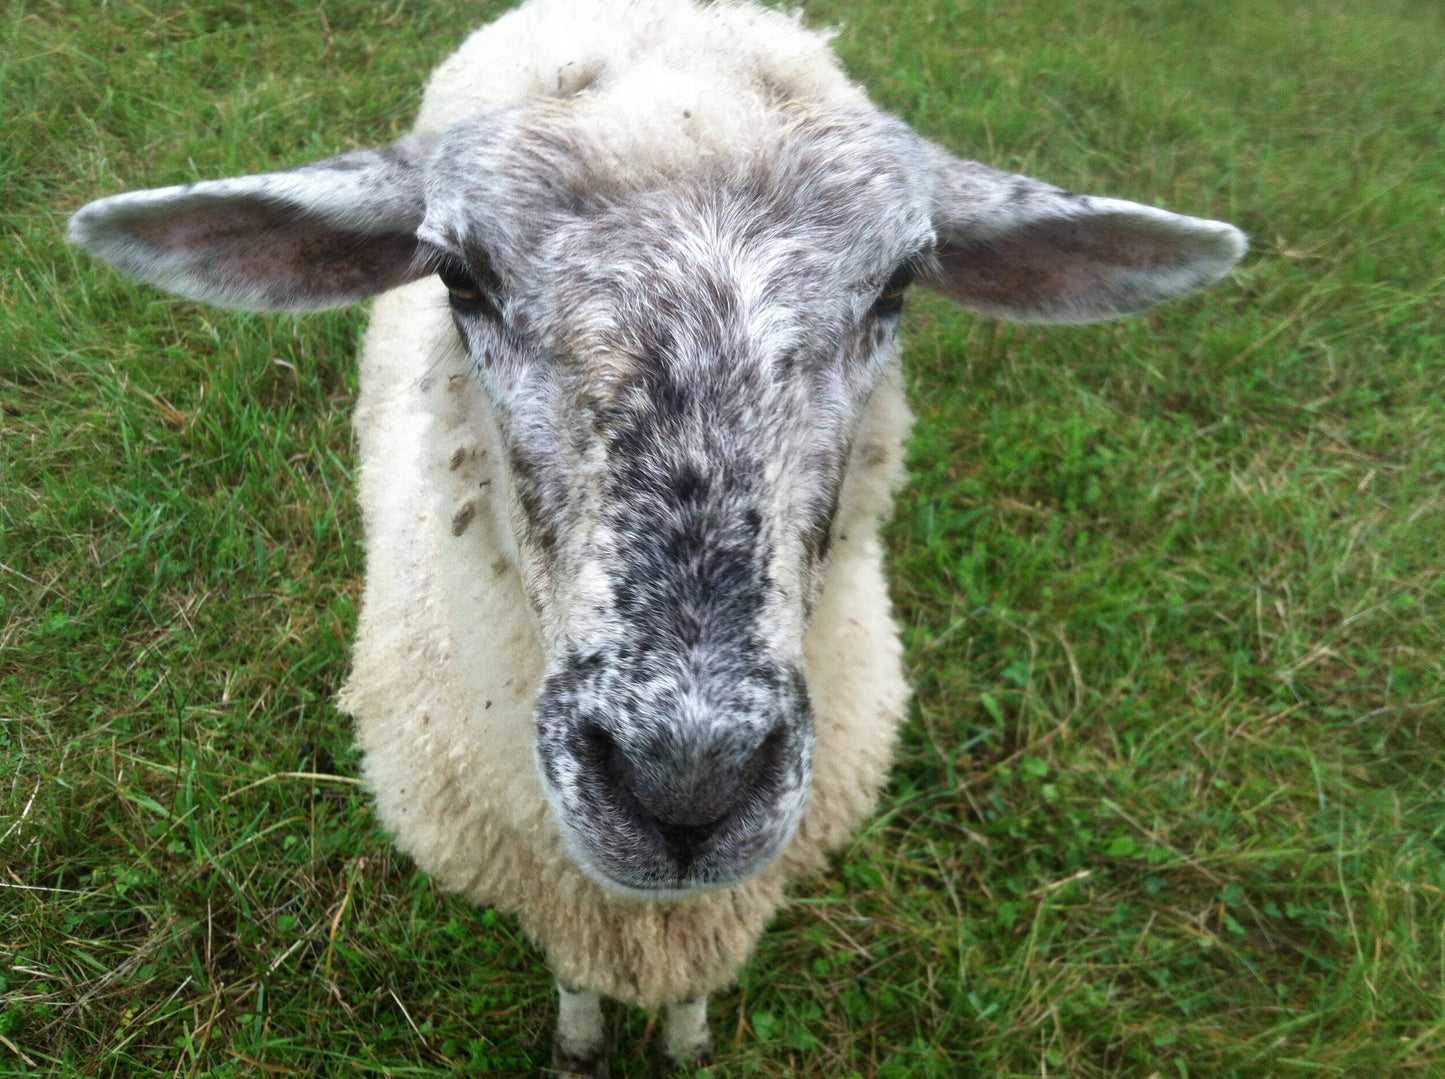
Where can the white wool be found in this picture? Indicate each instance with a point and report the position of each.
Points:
(704, 60)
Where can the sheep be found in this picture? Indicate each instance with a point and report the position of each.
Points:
(630, 420)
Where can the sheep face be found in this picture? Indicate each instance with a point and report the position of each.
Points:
(677, 335)
(677, 365)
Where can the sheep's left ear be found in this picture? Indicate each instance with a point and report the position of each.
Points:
(1024, 250)
(318, 236)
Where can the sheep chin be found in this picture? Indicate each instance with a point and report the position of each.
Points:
(740, 860)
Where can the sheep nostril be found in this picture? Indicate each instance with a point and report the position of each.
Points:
(765, 768)
(601, 757)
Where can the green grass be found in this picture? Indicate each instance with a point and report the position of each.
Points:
(1170, 802)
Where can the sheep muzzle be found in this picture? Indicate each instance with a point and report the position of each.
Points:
(663, 794)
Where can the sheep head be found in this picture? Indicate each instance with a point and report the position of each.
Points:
(677, 347)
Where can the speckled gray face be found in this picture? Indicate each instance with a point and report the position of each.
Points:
(677, 369)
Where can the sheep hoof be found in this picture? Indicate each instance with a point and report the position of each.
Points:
(567, 1066)
(671, 1067)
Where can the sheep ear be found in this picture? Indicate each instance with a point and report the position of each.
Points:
(1021, 249)
(318, 236)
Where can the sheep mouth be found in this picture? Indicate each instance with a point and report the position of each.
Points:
(649, 865)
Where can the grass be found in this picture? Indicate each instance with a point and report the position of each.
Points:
(1170, 803)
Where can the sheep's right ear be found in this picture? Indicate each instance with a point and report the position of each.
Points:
(318, 236)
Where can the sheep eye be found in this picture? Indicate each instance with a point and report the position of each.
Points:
(890, 300)
(459, 281)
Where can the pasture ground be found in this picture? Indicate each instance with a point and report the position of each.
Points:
(1170, 802)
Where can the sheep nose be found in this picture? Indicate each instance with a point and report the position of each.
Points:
(686, 790)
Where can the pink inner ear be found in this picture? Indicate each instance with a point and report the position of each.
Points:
(278, 251)
(1058, 264)
(214, 225)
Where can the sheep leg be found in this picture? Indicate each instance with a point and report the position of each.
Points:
(686, 1041)
(580, 1047)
